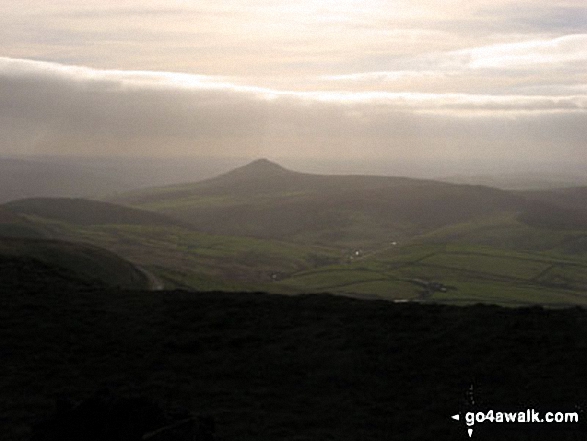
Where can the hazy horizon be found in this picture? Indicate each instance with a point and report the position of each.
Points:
(211, 166)
(471, 87)
(31, 176)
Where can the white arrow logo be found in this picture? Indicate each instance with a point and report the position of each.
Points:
(457, 417)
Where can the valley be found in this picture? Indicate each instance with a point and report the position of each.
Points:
(262, 227)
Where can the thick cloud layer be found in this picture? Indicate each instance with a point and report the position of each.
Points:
(51, 108)
(497, 81)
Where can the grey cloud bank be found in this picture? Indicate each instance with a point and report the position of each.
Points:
(48, 108)
(483, 83)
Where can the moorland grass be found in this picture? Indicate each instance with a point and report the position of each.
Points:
(306, 367)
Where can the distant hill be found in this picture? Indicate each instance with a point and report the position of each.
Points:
(523, 181)
(87, 212)
(263, 199)
(562, 208)
(50, 264)
(574, 198)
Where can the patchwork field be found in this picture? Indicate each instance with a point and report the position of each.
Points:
(265, 228)
(460, 265)
(464, 273)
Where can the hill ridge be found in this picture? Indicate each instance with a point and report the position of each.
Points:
(258, 169)
(82, 211)
(263, 199)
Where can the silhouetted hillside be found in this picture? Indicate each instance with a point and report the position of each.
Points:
(260, 168)
(107, 417)
(22, 273)
(54, 265)
(265, 200)
(270, 367)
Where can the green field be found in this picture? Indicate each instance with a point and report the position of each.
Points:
(183, 258)
(493, 259)
(469, 273)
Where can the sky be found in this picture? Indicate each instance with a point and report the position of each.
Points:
(494, 82)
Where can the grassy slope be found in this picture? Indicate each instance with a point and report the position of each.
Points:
(570, 212)
(294, 368)
(43, 261)
(14, 225)
(574, 197)
(185, 258)
(510, 274)
(180, 256)
(347, 212)
(87, 212)
(478, 271)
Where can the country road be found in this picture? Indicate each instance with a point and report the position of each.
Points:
(155, 284)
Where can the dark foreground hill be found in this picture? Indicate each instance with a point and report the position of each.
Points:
(43, 265)
(263, 199)
(313, 367)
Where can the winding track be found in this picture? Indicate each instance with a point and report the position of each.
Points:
(155, 283)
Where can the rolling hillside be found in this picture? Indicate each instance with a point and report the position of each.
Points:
(263, 227)
(570, 208)
(87, 212)
(168, 248)
(14, 225)
(571, 198)
(262, 199)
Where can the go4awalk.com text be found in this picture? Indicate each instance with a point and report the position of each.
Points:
(526, 416)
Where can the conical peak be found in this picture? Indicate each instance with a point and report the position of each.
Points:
(258, 169)
(264, 165)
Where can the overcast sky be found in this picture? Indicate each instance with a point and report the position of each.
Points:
(498, 81)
